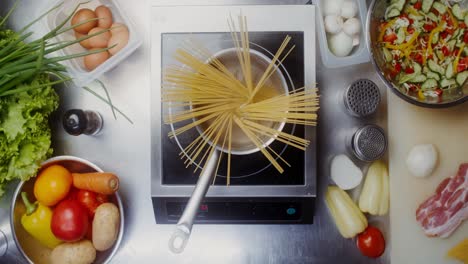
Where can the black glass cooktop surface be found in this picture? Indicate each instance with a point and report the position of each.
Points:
(251, 169)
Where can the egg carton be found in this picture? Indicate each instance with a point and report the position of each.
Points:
(359, 53)
(75, 67)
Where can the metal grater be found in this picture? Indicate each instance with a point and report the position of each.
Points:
(369, 143)
(362, 98)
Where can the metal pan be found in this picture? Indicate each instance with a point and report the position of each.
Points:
(228, 57)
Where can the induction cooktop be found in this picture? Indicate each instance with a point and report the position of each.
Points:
(257, 192)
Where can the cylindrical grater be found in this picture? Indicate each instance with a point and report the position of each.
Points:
(368, 143)
(362, 98)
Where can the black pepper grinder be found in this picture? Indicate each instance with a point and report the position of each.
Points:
(77, 122)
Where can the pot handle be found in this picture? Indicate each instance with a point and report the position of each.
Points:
(183, 229)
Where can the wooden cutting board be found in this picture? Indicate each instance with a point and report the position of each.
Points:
(409, 125)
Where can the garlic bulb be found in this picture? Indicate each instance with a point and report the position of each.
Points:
(352, 26)
(340, 44)
(422, 160)
(333, 24)
(332, 7)
(349, 8)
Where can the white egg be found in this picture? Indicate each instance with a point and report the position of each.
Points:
(422, 160)
(349, 8)
(332, 7)
(340, 44)
(352, 26)
(333, 24)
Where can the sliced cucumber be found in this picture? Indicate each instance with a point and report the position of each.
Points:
(426, 69)
(419, 78)
(398, 4)
(415, 17)
(451, 44)
(387, 55)
(435, 38)
(455, 34)
(449, 71)
(435, 67)
(429, 84)
(433, 17)
(461, 77)
(465, 51)
(440, 7)
(446, 83)
(393, 12)
(457, 11)
(400, 36)
(426, 5)
(413, 1)
(440, 55)
(416, 68)
(433, 75)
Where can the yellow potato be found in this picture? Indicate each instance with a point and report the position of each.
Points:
(106, 225)
(81, 252)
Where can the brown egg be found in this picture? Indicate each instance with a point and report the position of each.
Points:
(100, 40)
(105, 16)
(119, 38)
(81, 16)
(84, 43)
(92, 61)
(118, 27)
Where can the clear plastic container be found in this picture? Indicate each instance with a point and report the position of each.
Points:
(75, 67)
(359, 54)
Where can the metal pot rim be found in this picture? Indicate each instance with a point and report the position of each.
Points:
(18, 189)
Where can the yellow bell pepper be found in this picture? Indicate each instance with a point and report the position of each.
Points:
(375, 195)
(404, 45)
(36, 221)
(460, 251)
(457, 59)
(384, 29)
(348, 218)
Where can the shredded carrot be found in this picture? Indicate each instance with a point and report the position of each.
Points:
(100, 182)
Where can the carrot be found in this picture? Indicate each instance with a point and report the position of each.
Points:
(100, 182)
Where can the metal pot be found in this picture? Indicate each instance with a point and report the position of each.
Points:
(228, 57)
(374, 17)
(18, 246)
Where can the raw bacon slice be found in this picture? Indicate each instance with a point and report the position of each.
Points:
(444, 211)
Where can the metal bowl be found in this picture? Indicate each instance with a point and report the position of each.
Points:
(374, 17)
(32, 250)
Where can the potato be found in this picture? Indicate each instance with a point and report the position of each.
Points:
(105, 226)
(81, 252)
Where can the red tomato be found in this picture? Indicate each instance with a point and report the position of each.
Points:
(444, 35)
(430, 27)
(462, 25)
(409, 70)
(371, 242)
(439, 92)
(418, 58)
(418, 5)
(398, 67)
(445, 51)
(390, 37)
(465, 37)
(410, 30)
(91, 200)
(70, 221)
(455, 52)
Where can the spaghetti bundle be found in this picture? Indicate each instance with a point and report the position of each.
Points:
(224, 107)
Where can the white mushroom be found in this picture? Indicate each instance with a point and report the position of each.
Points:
(333, 24)
(340, 44)
(349, 8)
(356, 40)
(352, 26)
(332, 7)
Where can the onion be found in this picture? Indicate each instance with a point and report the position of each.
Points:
(344, 173)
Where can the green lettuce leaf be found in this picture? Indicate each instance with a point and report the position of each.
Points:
(25, 136)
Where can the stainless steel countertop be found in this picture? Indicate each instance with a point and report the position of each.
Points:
(125, 149)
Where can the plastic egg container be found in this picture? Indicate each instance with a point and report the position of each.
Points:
(75, 67)
(359, 53)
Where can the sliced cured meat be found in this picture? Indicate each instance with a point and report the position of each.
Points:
(444, 211)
